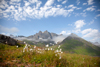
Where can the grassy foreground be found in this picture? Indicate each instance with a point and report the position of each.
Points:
(11, 56)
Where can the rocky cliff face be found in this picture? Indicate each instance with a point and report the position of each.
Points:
(43, 35)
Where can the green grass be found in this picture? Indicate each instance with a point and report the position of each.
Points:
(78, 47)
(11, 56)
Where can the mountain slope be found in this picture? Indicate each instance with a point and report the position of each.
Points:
(75, 44)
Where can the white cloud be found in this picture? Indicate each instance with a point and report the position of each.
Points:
(79, 24)
(49, 2)
(78, 2)
(64, 2)
(84, 3)
(59, 38)
(97, 16)
(59, 6)
(15, 0)
(27, 3)
(73, 7)
(63, 32)
(92, 34)
(92, 8)
(59, 0)
(86, 31)
(91, 22)
(90, 2)
(8, 30)
(3, 4)
(33, 9)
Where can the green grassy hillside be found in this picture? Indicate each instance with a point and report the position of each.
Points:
(79, 46)
(11, 56)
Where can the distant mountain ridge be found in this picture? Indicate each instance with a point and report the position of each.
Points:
(43, 35)
(48, 37)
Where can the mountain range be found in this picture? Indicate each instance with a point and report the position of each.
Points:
(69, 44)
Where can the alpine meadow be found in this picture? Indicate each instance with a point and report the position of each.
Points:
(49, 33)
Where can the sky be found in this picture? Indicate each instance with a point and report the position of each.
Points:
(28, 17)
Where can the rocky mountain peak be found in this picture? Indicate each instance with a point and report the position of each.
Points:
(46, 31)
(73, 35)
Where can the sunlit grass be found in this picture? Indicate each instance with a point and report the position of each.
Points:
(14, 56)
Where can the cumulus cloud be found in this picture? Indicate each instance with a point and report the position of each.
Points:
(92, 35)
(92, 8)
(79, 23)
(64, 2)
(8, 30)
(49, 2)
(33, 9)
(90, 2)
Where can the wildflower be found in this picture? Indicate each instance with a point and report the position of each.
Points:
(47, 45)
(51, 48)
(61, 52)
(17, 46)
(34, 46)
(55, 54)
(59, 46)
(31, 49)
(56, 50)
(24, 42)
(48, 48)
(60, 57)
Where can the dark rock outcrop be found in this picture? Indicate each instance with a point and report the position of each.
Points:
(8, 40)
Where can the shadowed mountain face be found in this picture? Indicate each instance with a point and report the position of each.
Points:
(10, 41)
(75, 44)
(43, 35)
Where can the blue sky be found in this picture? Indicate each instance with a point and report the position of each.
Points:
(27, 17)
